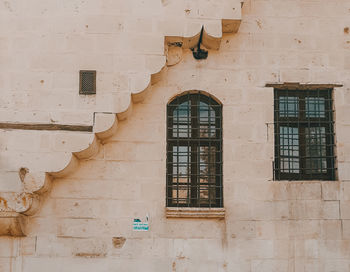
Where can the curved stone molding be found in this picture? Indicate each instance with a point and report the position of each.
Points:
(15, 206)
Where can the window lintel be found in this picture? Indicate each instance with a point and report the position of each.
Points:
(302, 86)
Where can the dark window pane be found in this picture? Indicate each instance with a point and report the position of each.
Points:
(181, 163)
(290, 165)
(182, 131)
(182, 120)
(316, 151)
(181, 194)
(315, 107)
(207, 164)
(289, 149)
(288, 106)
(207, 174)
(206, 120)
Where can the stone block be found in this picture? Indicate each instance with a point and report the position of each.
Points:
(236, 265)
(292, 75)
(6, 264)
(280, 190)
(28, 246)
(8, 248)
(52, 246)
(76, 208)
(90, 248)
(208, 229)
(345, 192)
(242, 229)
(242, 170)
(10, 181)
(331, 209)
(335, 249)
(182, 264)
(269, 265)
(137, 264)
(312, 265)
(311, 249)
(304, 229)
(251, 151)
(342, 133)
(283, 249)
(129, 64)
(346, 229)
(254, 249)
(41, 225)
(71, 117)
(81, 227)
(345, 209)
(270, 210)
(65, 81)
(275, 229)
(305, 209)
(314, 209)
(331, 190)
(241, 211)
(305, 191)
(44, 263)
(343, 151)
(187, 248)
(331, 229)
(337, 265)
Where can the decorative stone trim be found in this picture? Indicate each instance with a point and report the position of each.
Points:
(195, 212)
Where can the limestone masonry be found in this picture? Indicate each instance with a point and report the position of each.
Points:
(77, 170)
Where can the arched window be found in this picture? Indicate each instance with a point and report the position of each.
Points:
(194, 151)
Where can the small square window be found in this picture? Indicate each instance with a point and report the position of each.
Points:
(87, 82)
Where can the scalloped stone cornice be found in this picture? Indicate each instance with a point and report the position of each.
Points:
(217, 17)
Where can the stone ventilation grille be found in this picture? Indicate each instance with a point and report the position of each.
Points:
(87, 82)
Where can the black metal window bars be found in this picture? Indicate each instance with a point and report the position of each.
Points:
(194, 151)
(304, 135)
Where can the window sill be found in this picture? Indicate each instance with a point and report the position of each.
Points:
(195, 212)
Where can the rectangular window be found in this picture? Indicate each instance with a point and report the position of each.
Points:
(304, 135)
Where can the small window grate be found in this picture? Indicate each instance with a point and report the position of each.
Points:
(87, 82)
(304, 135)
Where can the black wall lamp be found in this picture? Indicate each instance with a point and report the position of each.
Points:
(199, 53)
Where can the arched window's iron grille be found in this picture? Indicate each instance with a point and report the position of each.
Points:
(304, 135)
(194, 152)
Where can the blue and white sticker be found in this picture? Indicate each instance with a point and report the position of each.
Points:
(140, 226)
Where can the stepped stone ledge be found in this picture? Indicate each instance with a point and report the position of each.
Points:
(16, 206)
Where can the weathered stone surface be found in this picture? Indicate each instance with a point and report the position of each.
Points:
(85, 219)
(11, 224)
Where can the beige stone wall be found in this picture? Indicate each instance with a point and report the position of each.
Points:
(269, 225)
(44, 44)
